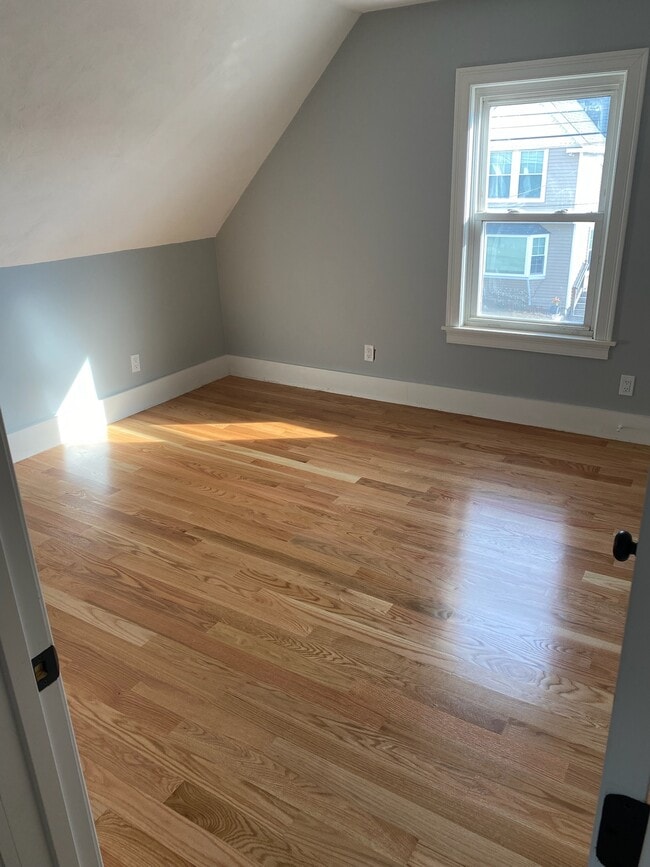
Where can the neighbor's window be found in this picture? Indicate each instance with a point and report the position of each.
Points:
(515, 250)
(543, 156)
(518, 174)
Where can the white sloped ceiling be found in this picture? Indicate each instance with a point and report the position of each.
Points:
(133, 123)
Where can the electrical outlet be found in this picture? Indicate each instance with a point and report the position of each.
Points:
(135, 364)
(626, 386)
(368, 352)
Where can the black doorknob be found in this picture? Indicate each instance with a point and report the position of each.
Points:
(624, 545)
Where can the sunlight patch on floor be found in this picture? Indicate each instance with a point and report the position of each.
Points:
(242, 431)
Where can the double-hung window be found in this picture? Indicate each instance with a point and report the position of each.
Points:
(543, 160)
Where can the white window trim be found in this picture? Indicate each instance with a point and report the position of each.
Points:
(597, 341)
(515, 174)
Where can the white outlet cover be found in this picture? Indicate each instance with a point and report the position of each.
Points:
(626, 385)
(135, 364)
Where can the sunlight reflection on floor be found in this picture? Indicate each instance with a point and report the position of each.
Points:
(515, 644)
(242, 431)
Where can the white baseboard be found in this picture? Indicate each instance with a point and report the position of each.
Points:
(519, 410)
(539, 413)
(45, 435)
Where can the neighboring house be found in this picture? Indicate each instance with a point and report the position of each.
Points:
(544, 157)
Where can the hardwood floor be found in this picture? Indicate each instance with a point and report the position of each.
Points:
(297, 628)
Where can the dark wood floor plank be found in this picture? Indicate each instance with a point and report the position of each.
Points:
(123, 845)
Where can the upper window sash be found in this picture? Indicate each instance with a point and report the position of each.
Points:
(580, 86)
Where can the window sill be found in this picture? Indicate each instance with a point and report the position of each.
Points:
(555, 344)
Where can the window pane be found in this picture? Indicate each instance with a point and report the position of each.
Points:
(500, 162)
(531, 174)
(530, 186)
(500, 174)
(538, 257)
(536, 272)
(557, 150)
(505, 256)
(499, 187)
(532, 162)
(539, 246)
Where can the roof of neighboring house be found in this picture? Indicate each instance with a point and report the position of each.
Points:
(518, 229)
(561, 124)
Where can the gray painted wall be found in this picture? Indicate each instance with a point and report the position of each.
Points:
(161, 302)
(341, 239)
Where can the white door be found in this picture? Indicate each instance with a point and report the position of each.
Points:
(45, 816)
(622, 813)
